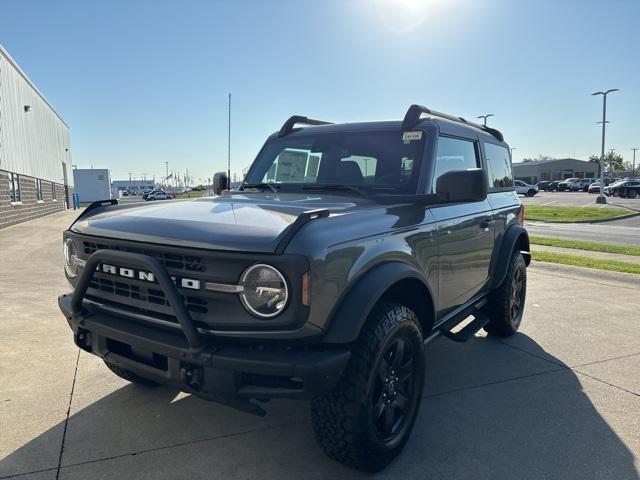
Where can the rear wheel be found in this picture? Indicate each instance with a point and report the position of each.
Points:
(367, 419)
(130, 376)
(506, 303)
(633, 193)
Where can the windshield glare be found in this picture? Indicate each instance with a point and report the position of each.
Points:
(368, 160)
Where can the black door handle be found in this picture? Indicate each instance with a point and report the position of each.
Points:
(487, 222)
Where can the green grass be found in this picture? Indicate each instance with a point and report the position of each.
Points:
(193, 194)
(586, 262)
(585, 245)
(572, 214)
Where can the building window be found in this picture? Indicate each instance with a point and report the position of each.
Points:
(53, 191)
(14, 187)
(38, 189)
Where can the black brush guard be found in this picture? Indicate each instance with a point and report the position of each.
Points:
(226, 374)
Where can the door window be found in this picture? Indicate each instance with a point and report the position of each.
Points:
(454, 154)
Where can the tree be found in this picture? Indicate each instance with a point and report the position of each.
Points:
(612, 161)
(539, 157)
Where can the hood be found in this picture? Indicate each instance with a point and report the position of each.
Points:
(253, 222)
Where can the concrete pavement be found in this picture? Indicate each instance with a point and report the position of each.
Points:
(579, 199)
(624, 232)
(560, 400)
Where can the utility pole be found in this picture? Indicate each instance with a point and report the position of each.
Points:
(484, 117)
(166, 170)
(229, 148)
(633, 170)
(601, 198)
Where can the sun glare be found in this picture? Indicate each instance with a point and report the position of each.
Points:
(403, 16)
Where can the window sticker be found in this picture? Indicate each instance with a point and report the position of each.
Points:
(408, 136)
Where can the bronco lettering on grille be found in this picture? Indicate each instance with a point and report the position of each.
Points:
(143, 275)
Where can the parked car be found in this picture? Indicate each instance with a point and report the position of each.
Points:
(625, 188)
(523, 188)
(547, 186)
(594, 187)
(158, 195)
(289, 287)
(563, 186)
(583, 184)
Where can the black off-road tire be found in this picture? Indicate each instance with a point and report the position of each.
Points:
(347, 421)
(130, 376)
(504, 306)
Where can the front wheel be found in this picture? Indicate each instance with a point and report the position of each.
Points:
(531, 193)
(506, 303)
(367, 419)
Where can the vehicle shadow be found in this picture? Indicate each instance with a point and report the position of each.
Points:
(489, 411)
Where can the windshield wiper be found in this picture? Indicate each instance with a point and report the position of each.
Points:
(261, 186)
(329, 186)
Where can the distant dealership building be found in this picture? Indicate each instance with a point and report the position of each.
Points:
(131, 186)
(92, 184)
(34, 150)
(535, 171)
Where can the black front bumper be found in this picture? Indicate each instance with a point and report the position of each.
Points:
(220, 373)
(188, 360)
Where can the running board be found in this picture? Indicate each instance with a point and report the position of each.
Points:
(479, 321)
(469, 331)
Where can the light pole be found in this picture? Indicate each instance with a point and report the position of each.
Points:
(484, 117)
(633, 170)
(601, 198)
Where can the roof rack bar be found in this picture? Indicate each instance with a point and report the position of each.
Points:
(298, 119)
(412, 117)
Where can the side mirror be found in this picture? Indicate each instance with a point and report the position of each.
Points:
(220, 182)
(459, 186)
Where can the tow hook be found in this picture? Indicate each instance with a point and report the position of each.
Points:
(83, 339)
(192, 376)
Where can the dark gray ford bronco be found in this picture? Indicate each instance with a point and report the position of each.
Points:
(347, 249)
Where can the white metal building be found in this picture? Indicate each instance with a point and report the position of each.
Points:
(35, 177)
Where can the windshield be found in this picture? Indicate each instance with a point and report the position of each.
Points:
(371, 161)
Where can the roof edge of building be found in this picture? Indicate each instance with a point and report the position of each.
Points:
(10, 59)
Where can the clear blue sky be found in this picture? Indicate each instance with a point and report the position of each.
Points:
(141, 82)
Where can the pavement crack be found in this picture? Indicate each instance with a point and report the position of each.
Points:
(496, 382)
(182, 444)
(546, 359)
(607, 383)
(66, 420)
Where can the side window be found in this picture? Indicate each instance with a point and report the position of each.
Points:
(454, 154)
(500, 175)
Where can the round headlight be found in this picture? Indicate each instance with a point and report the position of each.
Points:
(265, 291)
(70, 258)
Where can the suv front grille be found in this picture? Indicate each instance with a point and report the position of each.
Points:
(173, 261)
(143, 294)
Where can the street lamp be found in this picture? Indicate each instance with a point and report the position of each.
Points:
(601, 198)
(484, 117)
(633, 170)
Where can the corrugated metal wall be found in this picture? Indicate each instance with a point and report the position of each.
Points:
(33, 143)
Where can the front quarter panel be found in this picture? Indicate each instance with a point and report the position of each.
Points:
(343, 248)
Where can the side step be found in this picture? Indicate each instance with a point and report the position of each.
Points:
(479, 321)
(469, 331)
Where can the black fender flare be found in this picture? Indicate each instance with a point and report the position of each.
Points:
(356, 304)
(514, 236)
